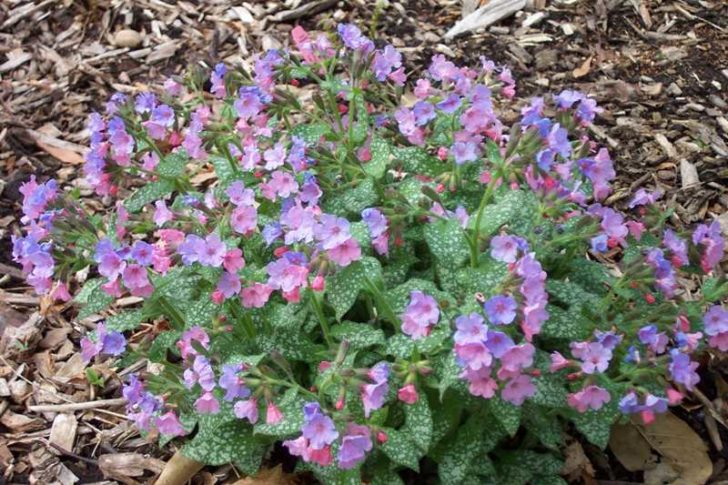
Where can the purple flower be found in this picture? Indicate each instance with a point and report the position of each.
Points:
(142, 253)
(450, 104)
(233, 384)
(558, 141)
(600, 171)
(345, 253)
(332, 231)
(36, 197)
(678, 248)
(504, 249)
(498, 343)
(421, 314)
(318, 428)
(384, 61)
(470, 329)
(145, 102)
(656, 341)
(355, 444)
(423, 112)
(229, 284)
(567, 98)
(275, 157)
(501, 309)
(353, 38)
(682, 369)
(713, 244)
(213, 252)
(715, 320)
(373, 395)
(248, 103)
(247, 410)
(464, 151)
(642, 197)
(375, 221)
(594, 356)
(285, 275)
(135, 277)
(599, 243)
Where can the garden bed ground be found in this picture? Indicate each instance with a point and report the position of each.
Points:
(658, 68)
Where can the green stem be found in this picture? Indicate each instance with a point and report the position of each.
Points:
(319, 311)
(474, 244)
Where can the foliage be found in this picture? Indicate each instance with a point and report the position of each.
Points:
(379, 286)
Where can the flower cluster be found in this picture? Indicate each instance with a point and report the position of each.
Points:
(370, 278)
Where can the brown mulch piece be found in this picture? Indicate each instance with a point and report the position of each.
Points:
(658, 67)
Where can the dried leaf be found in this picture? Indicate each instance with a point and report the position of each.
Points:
(584, 69)
(630, 447)
(178, 470)
(680, 447)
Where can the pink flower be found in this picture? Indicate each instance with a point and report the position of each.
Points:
(591, 397)
(135, 276)
(273, 415)
(244, 219)
(481, 382)
(345, 253)
(518, 389)
(420, 316)
(207, 404)
(233, 260)
(256, 296)
(162, 215)
(169, 424)
(408, 394)
(558, 362)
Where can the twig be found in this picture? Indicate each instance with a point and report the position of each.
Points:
(78, 406)
(71, 454)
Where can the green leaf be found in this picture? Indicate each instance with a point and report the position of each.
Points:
(381, 154)
(545, 427)
(447, 242)
(566, 324)
(596, 425)
(311, 133)
(714, 289)
(446, 417)
(400, 346)
(223, 169)
(354, 200)
(173, 165)
(418, 422)
(147, 194)
(90, 285)
(97, 301)
(401, 449)
(466, 447)
(417, 161)
(550, 391)
(128, 320)
(571, 293)
(508, 415)
(515, 208)
(359, 335)
(343, 288)
(221, 440)
(165, 340)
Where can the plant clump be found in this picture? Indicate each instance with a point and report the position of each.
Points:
(373, 277)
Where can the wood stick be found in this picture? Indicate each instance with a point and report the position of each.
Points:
(76, 406)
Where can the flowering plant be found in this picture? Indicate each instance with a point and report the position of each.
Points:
(411, 280)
